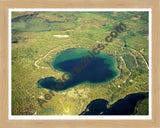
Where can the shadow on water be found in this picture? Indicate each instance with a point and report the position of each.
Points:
(125, 106)
(100, 69)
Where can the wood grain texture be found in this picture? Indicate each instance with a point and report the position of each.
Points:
(6, 4)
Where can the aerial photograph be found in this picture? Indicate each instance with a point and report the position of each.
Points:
(80, 63)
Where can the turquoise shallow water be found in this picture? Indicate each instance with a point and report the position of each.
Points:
(80, 66)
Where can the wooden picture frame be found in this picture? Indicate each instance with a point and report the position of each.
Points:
(5, 122)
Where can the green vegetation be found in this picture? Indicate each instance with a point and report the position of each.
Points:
(34, 45)
(142, 107)
(37, 23)
(130, 61)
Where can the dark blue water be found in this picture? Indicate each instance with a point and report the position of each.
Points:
(78, 69)
(124, 106)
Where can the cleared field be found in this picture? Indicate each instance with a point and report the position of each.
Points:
(130, 61)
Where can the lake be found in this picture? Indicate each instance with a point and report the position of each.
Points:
(125, 106)
(80, 66)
